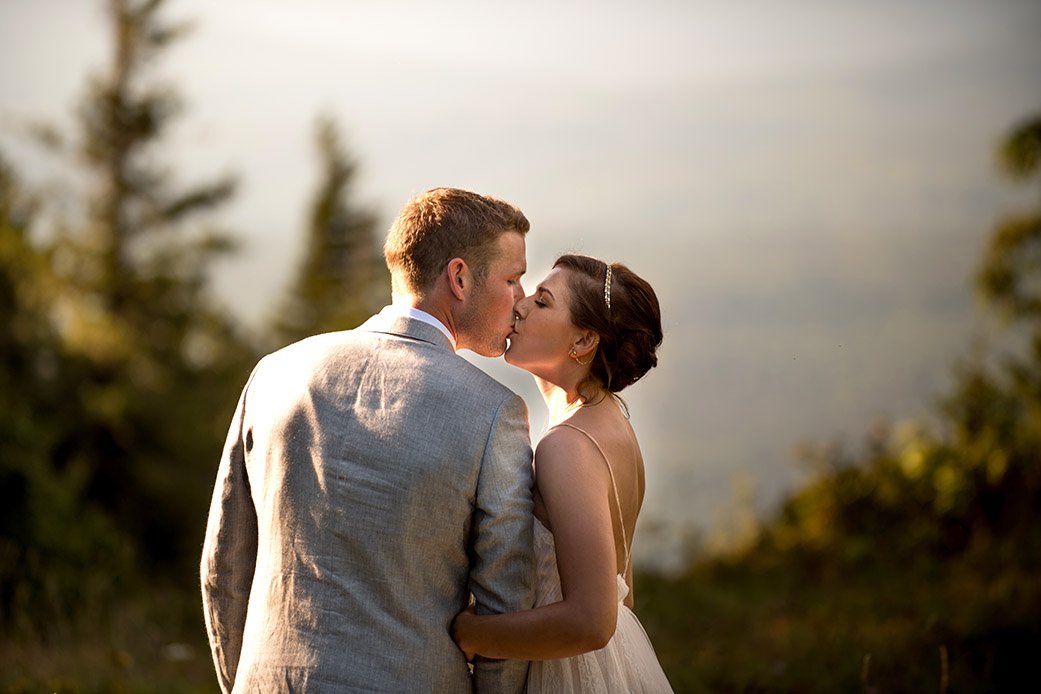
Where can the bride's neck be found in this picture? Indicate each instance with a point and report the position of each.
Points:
(561, 402)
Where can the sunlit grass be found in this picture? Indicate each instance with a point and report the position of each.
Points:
(152, 642)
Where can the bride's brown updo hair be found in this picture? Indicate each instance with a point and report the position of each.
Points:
(630, 329)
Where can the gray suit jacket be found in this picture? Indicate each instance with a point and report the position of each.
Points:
(371, 479)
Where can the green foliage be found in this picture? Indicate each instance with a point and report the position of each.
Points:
(118, 373)
(147, 349)
(118, 377)
(342, 279)
(43, 525)
(1018, 154)
(909, 565)
(1010, 276)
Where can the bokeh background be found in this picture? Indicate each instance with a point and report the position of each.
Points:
(810, 186)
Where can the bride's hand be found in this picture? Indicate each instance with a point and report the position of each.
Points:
(461, 628)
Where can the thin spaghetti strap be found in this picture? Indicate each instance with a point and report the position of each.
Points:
(614, 488)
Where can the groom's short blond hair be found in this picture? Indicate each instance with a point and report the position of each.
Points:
(441, 224)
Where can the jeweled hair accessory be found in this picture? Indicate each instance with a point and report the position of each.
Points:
(607, 288)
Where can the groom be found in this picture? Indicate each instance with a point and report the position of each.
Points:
(372, 479)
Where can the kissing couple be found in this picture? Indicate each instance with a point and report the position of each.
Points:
(379, 522)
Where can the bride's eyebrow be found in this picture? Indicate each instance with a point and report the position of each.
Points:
(542, 289)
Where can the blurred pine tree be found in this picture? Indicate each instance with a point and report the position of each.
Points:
(157, 355)
(119, 370)
(342, 278)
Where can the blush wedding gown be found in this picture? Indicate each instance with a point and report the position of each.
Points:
(626, 664)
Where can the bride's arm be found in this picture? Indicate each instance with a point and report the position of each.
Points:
(574, 484)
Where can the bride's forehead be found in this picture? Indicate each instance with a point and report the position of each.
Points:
(554, 279)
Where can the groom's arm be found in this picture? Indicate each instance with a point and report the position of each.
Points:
(229, 554)
(503, 575)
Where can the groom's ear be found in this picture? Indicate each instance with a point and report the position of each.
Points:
(459, 278)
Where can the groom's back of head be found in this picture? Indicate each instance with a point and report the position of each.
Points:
(441, 224)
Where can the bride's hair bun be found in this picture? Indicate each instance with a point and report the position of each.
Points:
(629, 328)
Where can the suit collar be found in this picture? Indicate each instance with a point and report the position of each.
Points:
(391, 320)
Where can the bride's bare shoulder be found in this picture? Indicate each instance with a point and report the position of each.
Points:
(562, 438)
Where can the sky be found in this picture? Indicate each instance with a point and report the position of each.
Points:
(806, 184)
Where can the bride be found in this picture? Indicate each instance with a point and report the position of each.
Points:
(589, 330)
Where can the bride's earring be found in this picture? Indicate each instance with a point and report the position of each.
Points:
(592, 352)
(574, 355)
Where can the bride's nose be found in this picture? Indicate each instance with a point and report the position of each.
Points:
(520, 309)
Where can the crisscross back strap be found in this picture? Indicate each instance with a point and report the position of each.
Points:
(614, 488)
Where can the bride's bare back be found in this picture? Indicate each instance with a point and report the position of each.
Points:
(606, 427)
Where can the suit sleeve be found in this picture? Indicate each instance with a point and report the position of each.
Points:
(229, 553)
(503, 574)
